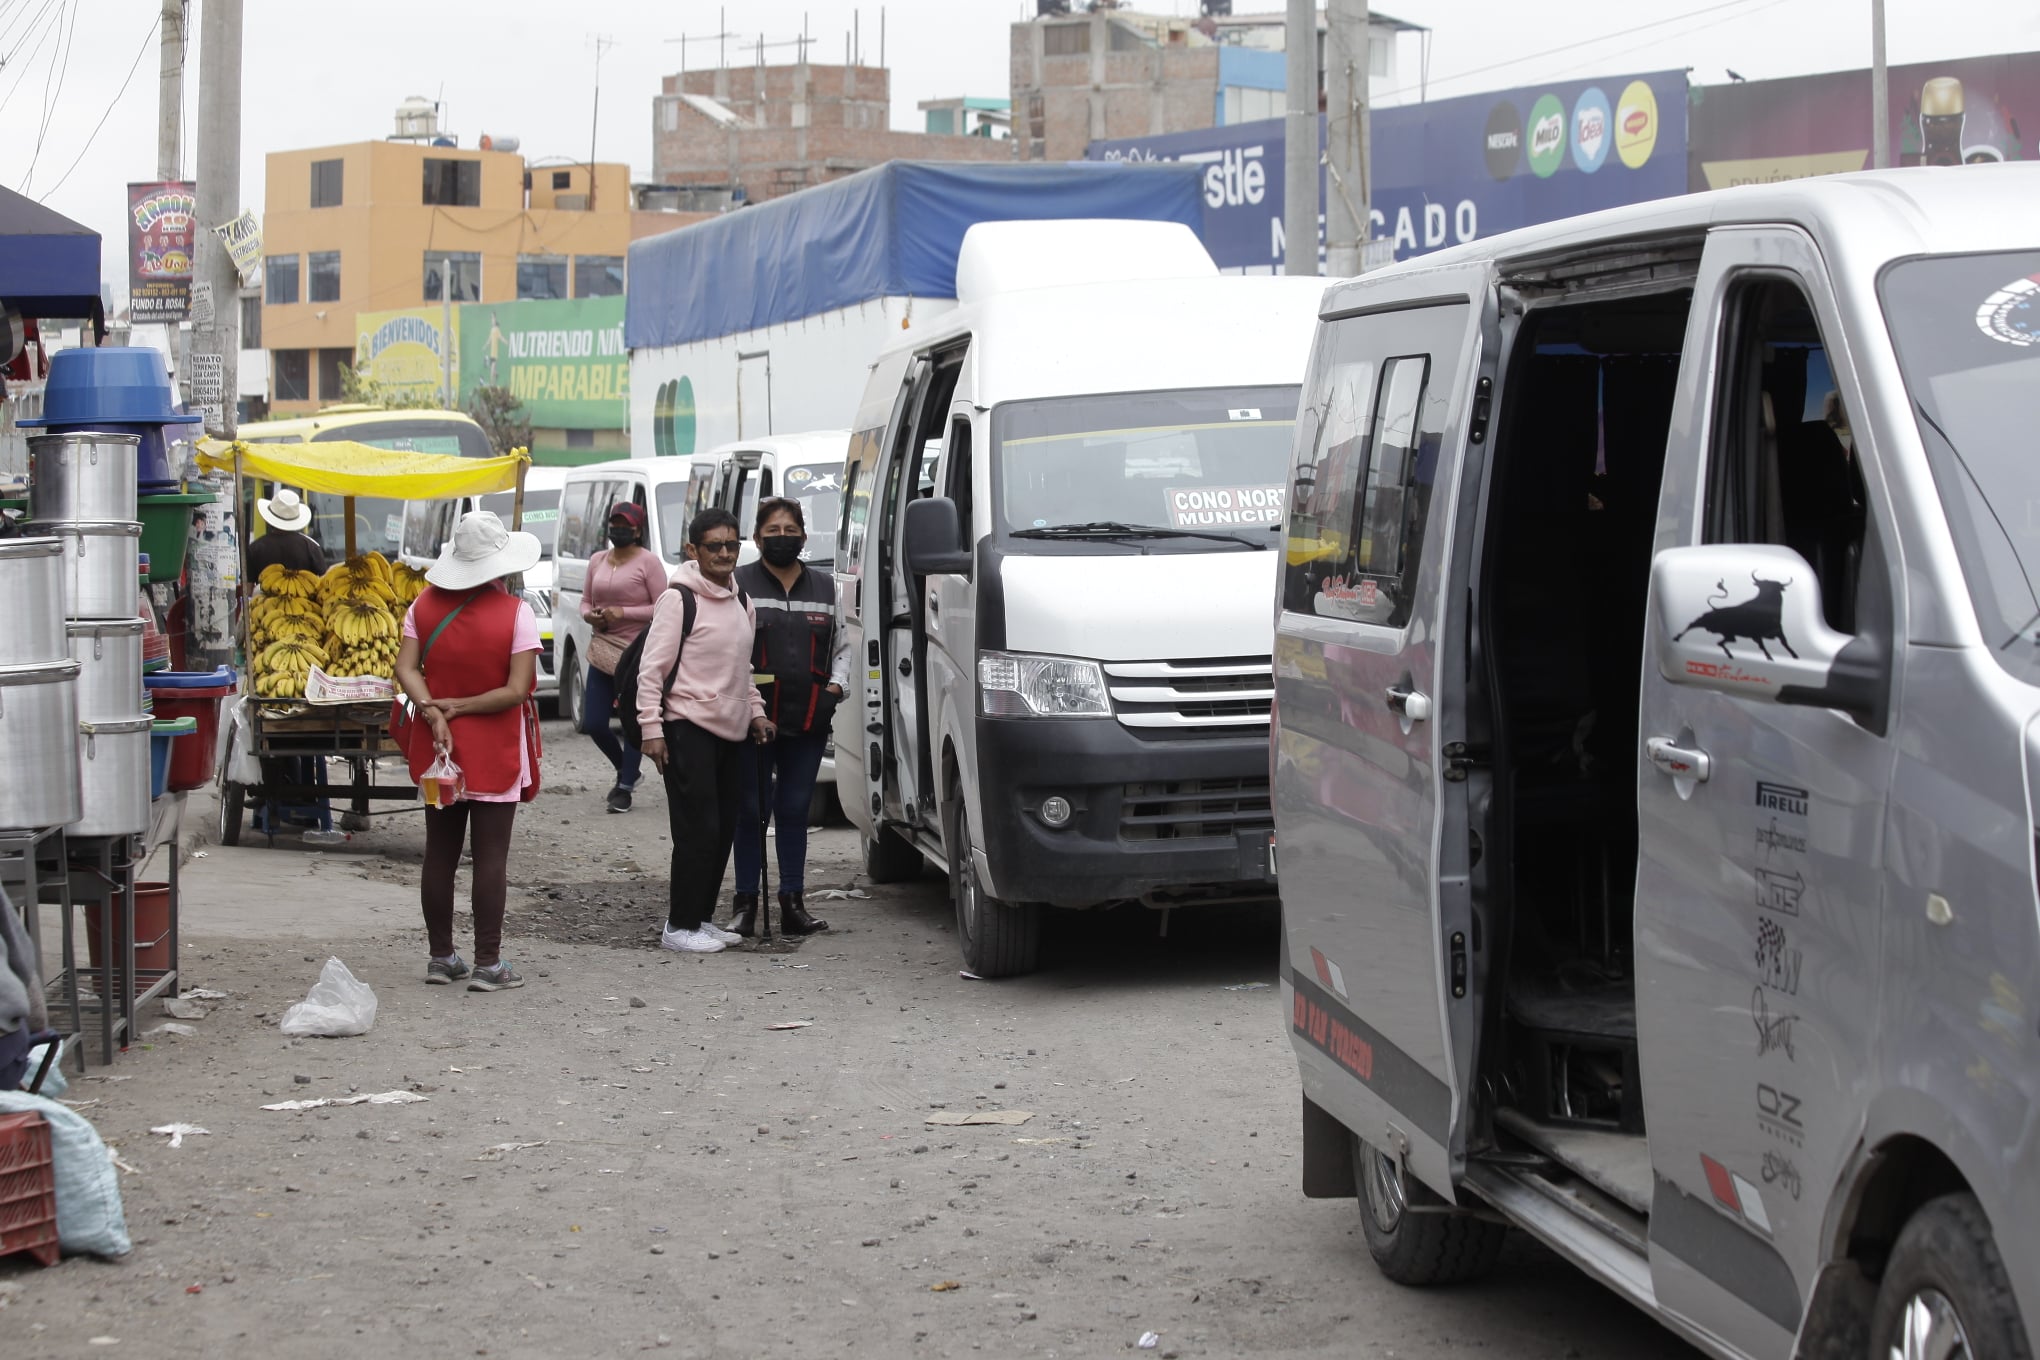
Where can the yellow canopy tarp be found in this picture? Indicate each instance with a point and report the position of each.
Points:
(344, 468)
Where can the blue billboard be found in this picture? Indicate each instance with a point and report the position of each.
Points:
(1449, 170)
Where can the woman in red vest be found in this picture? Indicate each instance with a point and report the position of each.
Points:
(468, 662)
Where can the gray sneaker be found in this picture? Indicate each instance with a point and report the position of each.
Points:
(444, 971)
(496, 979)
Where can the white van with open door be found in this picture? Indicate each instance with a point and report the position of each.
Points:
(1656, 756)
(1063, 522)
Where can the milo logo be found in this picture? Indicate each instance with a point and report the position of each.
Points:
(1547, 136)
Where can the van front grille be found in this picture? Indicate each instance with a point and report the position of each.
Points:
(1194, 809)
(1223, 696)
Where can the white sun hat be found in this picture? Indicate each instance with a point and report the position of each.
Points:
(481, 551)
(284, 510)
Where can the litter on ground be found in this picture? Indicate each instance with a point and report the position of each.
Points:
(961, 1118)
(176, 1132)
(379, 1098)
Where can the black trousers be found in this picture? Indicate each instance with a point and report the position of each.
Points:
(702, 774)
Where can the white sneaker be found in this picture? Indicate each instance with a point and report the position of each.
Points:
(716, 932)
(690, 942)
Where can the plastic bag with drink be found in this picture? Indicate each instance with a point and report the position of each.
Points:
(442, 785)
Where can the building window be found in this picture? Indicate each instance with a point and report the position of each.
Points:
(598, 276)
(462, 267)
(563, 179)
(293, 380)
(541, 276)
(1066, 40)
(454, 184)
(326, 178)
(324, 268)
(580, 439)
(281, 273)
(333, 367)
(1244, 105)
(251, 321)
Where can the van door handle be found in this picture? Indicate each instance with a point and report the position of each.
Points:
(1410, 703)
(1679, 762)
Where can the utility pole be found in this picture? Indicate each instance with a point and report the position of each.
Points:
(1880, 92)
(1300, 141)
(1346, 133)
(216, 344)
(602, 45)
(446, 341)
(170, 99)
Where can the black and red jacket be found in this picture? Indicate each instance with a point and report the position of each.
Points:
(796, 646)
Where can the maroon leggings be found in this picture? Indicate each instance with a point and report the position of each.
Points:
(445, 831)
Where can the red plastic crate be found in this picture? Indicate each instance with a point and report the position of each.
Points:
(28, 1188)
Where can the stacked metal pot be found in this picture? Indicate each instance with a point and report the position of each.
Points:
(82, 497)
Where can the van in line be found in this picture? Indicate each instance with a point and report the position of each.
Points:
(1656, 754)
(1062, 527)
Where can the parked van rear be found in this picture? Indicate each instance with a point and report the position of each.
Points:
(589, 493)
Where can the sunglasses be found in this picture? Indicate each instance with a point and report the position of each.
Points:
(721, 548)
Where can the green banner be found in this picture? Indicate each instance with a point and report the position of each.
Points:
(564, 360)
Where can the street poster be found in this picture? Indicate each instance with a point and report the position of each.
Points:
(563, 359)
(243, 239)
(161, 250)
(404, 352)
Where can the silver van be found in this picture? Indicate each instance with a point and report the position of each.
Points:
(1655, 758)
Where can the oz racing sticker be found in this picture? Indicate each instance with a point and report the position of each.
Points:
(2011, 315)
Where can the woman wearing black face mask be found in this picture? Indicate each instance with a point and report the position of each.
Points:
(623, 586)
(800, 648)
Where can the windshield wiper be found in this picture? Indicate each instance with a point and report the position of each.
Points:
(1106, 528)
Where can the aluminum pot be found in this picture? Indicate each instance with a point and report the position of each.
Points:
(32, 584)
(113, 770)
(39, 746)
(101, 566)
(83, 478)
(109, 657)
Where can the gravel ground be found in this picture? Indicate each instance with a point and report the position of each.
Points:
(626, 1155)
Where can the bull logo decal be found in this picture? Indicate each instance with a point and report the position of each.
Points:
(1757, 618)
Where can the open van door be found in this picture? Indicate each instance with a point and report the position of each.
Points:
(1372, 756)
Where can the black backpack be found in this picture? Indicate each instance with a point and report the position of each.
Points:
(632, 661)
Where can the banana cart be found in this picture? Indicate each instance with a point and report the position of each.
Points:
(273, 742)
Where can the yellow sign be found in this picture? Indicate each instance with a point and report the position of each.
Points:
(1636, 119)
(1773, 169)
(406, 350)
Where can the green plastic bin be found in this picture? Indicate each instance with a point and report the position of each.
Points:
(166, 529)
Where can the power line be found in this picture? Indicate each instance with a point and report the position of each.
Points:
(1683, 33)
(50, 101)
(28, 64)
(136, 66)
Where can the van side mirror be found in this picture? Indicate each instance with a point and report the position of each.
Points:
(1745, 619)
(933, 537)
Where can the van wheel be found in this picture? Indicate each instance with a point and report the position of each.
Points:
(1000, 939)
(572, 697)
(823, 809)
(1945, 1294)
(233, 799)
(890, 857)
(1412, 1241)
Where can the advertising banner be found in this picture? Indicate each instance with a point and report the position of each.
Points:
(1978, 111)
(243, 239)
(1450, 170)
(162, 220)
(563, 359)
(405, 350)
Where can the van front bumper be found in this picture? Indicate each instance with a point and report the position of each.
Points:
(1175, 822)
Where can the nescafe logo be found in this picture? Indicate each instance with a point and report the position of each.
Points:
(1504, 140)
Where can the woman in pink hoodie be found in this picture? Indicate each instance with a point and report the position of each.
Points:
(704, 712)
(623, 585)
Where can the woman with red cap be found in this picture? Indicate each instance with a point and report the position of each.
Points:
(623, 587)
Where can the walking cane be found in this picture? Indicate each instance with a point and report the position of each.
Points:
(764, 782)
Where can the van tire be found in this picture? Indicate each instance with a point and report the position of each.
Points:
(573, 694)
(999, 939)
(889, 857)
(1945, 1257)
(1419, 1249)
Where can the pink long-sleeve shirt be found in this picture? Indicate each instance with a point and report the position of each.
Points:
(712, 688)
(634, 588)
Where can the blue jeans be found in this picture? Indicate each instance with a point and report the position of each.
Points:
(598, 705)
(797, 760)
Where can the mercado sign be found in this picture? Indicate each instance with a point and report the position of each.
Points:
(563, 359)
(1976, 112)
(162, 246)
(1449, 170)
(404, 351)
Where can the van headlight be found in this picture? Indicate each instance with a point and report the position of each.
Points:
(1017, 686)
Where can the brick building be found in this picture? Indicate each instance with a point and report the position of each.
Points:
(770, 130)
(1079, 78)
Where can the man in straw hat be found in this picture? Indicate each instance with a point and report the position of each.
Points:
(285, 541)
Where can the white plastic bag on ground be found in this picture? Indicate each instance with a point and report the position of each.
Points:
(339, 1003)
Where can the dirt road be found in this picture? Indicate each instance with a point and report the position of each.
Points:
(625, 1155)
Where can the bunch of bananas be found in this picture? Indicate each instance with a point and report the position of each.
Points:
(281, 667)
(361, 597)
(408, 582)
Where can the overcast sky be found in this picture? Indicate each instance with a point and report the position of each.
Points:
(319, 74)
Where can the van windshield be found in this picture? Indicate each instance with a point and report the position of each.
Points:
(541, 514)
(1967, 332)
(1146, 469)
(819, 489)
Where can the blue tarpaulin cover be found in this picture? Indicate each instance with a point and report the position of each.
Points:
(49, 265)
(891, 231)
